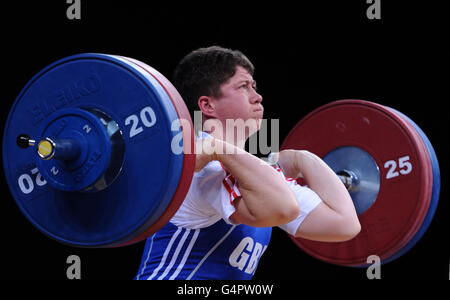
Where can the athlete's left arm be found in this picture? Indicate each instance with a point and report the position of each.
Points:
(334, 219)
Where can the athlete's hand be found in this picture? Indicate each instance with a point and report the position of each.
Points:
(209, 149)
(205, 153)
(288, 160)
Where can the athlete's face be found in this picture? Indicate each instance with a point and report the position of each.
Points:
(238, 100)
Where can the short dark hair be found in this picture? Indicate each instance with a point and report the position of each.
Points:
(203, 71)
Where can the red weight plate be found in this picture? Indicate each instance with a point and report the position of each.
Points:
(404, 195)
(188, 151)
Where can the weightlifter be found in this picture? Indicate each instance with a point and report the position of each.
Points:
(224, 225)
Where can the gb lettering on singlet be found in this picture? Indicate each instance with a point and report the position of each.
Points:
(246, 255)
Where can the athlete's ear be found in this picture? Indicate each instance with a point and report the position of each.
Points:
(206, 105)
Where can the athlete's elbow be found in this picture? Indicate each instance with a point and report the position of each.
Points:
(349, 229)
(289, 210)
(284, 211)
(292, 212)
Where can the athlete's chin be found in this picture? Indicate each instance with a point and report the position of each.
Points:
(259, 114)
(256, 126)
(258, 122)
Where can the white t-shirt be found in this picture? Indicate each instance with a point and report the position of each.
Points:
(213, 190)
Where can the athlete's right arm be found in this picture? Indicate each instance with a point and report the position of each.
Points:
(266, 199)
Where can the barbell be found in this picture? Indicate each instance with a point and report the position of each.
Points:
(98, 152)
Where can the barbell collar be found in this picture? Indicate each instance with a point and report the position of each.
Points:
(62, 149)
(349, 179)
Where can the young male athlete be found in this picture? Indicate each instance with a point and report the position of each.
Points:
(224, 225)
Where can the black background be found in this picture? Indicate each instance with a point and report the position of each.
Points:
(306, 54)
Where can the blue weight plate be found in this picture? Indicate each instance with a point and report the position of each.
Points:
(150, 171)
(434, 195)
